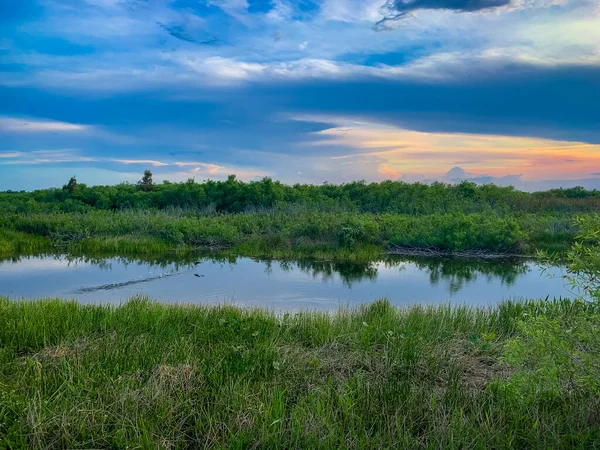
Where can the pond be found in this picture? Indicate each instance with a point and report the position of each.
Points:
(280, 285)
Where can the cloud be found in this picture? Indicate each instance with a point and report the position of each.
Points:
(237, 9)
(201, 167)
(222, 71)
(387, 172)
(404, 6)
(67, 155)
(10, 154)
(179, 32)
(457, 173)
(56, 156)
(351, 10)
(394, 10)
(136, 161)
(129, 51)
(464, 81)
(74, 158)
(418, 152)
(196, 72)
(49, 132)
(12, 124)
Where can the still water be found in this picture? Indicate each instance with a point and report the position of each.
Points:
(279, 285)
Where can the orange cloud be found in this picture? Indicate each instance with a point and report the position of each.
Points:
(387, 172)
(210, 168)
(432, 153)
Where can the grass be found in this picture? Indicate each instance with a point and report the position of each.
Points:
(15, 242)
(283, 234)
(148, 375)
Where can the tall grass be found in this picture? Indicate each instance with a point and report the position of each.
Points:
(147, 375)
(15, 242)
(300, 233)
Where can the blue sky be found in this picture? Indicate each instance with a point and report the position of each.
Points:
(506, 91)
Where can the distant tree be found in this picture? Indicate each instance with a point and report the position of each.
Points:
(146, 184)
(71, 185)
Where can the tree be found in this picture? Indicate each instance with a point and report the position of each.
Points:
(71, 185)
(146, 184)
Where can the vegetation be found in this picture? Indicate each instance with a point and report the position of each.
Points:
(146, 184)
(146, 375)
(269, 218)
(282, 233)
(556, 357)
(234, 196)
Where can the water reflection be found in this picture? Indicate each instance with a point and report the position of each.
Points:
(280, 284)
(106, 261)
(455, 273)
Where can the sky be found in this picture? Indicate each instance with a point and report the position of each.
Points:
(302, 91)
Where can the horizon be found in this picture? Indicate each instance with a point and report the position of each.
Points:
(137, 182)
(301, 91)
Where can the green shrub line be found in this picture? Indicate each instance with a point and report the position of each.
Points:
(299, 233)
(234, 196)
(150, 375)
(270, 218)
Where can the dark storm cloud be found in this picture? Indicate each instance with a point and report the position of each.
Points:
(556, 103)
(398, 9)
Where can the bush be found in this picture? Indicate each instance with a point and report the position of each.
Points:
(554, 358)
(557, 356)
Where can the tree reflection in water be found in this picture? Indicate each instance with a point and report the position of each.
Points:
(455, 272)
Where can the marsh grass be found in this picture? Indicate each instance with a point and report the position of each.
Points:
(148, 375)
(15, 242)
(297, 234)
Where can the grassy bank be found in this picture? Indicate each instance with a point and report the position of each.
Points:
(145, 375)
(283, 233)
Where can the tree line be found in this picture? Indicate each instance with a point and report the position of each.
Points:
(234, 196)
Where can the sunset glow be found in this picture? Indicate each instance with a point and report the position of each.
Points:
(308, 91)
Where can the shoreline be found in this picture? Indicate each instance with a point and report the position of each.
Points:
(468, 254)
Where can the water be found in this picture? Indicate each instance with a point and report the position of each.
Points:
(279, 285)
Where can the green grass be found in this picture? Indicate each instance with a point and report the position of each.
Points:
(15, 242)
(148, 375)
(283, 234)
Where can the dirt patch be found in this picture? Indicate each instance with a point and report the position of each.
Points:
(180, 376)
(61, 351)
(480, 370)
(331, 360)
